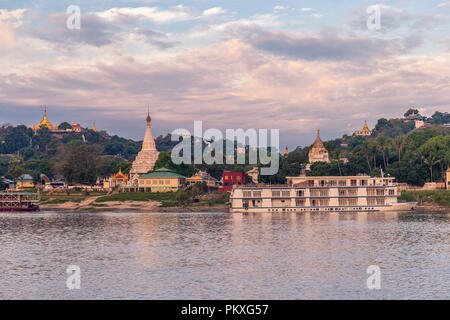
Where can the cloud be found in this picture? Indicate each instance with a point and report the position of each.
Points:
(304, 46)
(94, 31)
(154, 38)
(214, 11)
(9, 21)
(98, 32)
(12, 18)
(235, 84)
(128, 15)
(7, 37)
(249, 72)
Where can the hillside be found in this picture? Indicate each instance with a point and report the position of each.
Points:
(412, 155)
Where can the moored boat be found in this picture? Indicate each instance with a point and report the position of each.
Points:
(19, 201)
(327, 194)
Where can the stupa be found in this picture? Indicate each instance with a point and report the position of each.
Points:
(318, 152)
(45, 123)
(146, 158)
(365, 132)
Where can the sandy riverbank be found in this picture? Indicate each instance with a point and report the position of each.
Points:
(90, 205)
(432, 207)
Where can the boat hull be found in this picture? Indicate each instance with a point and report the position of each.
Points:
(18, 209)
(407, 206)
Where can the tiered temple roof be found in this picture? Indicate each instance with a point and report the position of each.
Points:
(318, 153)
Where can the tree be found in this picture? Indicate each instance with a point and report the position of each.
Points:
(337, 156)
(3, 185)
(16, 139)
(434, 151)
(400, 143)
(440, 118)
(42, 138)
(64, 126)
(81, 165)
(165, 161)
(431, 161)
(15, 169)
(411, 111)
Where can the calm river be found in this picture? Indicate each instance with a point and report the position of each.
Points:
(224, 256)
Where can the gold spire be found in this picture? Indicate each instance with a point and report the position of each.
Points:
(148, 115)
(318, 143)
(94, 128)
(286, 152)
(366, 128)
(45, 122)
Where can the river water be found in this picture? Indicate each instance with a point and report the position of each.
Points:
(224, 256)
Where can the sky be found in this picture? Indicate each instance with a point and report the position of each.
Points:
(289, 65)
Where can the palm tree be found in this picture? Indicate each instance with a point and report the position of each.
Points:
(383, 144)
(337, 155)
(366, 150)
(373, 148)
(400, 143)
(431, 161)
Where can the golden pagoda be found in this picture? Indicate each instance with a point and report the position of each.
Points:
(94, 128)
(286, 152)
(318, 152)
(45, 123)
(365, 132)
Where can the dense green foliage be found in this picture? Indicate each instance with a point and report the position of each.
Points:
(415, 158)
(26, 151)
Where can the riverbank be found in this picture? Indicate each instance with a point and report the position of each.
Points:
(428, 199)
(146, 202)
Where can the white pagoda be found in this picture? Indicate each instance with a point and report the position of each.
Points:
(146, 158)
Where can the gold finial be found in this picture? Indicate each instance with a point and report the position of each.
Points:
(318, 143)
(148, 115)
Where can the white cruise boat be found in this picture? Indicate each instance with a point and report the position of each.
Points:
(327, 194)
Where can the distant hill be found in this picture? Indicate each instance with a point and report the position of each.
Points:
(412, 155)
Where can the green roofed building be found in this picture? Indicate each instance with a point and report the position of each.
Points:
(162, 180)
(25, 181)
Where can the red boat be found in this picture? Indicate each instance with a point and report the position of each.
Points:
(19, 201)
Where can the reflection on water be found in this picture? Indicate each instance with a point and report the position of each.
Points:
(224, 256)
